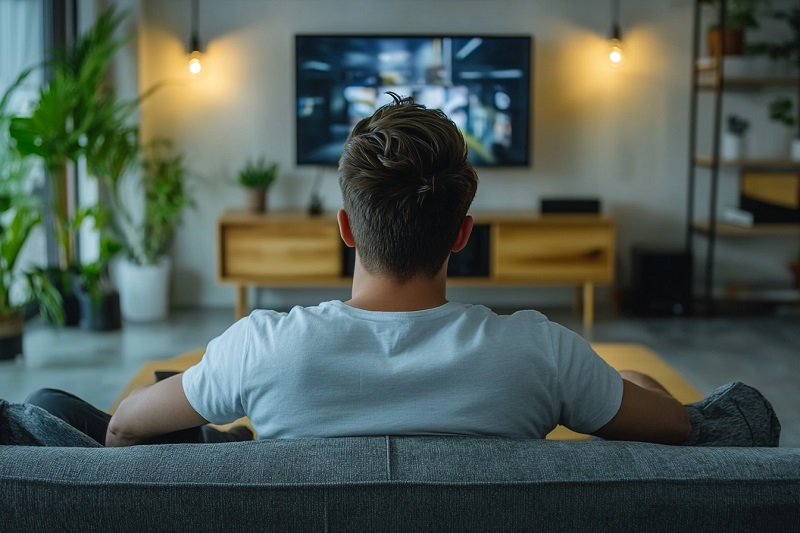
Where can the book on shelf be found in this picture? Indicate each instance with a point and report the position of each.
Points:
(737, 217)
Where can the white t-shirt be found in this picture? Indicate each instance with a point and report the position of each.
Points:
(334, 370)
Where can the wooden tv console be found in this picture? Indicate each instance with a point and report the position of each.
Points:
(292, 249)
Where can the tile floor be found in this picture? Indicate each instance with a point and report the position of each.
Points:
(763, 351)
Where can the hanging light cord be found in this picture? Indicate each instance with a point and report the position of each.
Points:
(615, 30)
(194, 39)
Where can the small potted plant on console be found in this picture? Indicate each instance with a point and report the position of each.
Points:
(256, 177)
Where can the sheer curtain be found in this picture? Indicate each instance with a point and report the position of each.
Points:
(22, 46)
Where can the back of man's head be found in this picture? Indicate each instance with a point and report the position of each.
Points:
(407, 186)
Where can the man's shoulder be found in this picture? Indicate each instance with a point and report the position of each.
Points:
(297, 312)
(521, 315)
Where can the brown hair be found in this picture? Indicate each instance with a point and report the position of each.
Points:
(407, 185)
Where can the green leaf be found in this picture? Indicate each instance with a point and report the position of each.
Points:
(15, 235)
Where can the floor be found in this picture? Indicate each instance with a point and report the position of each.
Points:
(763, 351)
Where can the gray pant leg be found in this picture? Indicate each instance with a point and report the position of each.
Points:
(733, 415)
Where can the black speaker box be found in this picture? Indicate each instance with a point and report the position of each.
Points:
(570, 205)
(661, 282)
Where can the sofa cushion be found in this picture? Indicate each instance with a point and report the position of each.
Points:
(401, 484)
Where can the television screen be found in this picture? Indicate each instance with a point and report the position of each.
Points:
(482, 83)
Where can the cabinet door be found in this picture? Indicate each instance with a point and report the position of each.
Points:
(554, 253)
(280, 250)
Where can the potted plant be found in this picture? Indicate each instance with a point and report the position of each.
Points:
(732, 139)
(256, 177)
(788, 51)
(19, 215)
(781, 111)
(146, 229)
(76, 115)
(18, 288)
(740, 16)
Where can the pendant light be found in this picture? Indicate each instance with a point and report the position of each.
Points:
(615, 54)
(195, 52)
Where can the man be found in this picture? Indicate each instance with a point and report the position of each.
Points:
(398, 358)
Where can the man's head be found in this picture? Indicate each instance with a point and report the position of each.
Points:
(407, 186)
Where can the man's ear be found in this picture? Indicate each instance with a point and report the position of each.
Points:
(344, 229)
(464, 232)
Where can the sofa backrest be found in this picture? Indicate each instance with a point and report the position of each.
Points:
(400, 484)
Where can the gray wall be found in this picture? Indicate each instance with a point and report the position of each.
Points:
(616, 133)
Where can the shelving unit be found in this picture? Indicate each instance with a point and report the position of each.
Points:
(708, 76)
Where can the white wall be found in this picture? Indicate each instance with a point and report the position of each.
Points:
(616, 133)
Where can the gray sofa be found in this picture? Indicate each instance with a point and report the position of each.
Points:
(54, 478)
(400, 484)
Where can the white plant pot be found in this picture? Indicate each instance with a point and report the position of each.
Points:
(144, 290)
(731, 147)
(795, 149)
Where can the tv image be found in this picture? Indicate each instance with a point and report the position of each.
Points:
(483, 83)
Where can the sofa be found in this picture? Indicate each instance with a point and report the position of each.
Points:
(399, 484)
(55, 479)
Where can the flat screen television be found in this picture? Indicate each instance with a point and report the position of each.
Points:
(483, 83)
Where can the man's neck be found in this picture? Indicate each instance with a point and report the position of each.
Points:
(379, 293)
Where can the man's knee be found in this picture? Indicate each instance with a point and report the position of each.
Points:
(53, 401)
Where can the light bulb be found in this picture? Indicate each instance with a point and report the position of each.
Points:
(615, 55)
(194, 63)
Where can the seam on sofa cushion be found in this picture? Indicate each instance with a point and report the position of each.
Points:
(791, 483)
(388, 457)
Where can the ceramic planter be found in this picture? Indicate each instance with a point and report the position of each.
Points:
(144, 290)
(255, 200)
(795, 149)
(64, 282)
(729, 43)
(731, 147)
(101, 314)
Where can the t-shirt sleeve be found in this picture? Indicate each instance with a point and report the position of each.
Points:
(213, 386)
(590, 389)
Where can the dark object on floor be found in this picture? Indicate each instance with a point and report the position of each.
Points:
(661, 282)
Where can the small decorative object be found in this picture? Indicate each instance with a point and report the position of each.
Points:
(733, 137)
(256, 178)
(794, 268)
(315, 205)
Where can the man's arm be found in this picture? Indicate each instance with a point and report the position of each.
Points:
(152, 411)
(648, 413)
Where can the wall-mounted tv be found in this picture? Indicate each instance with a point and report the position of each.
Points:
(483, 83)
